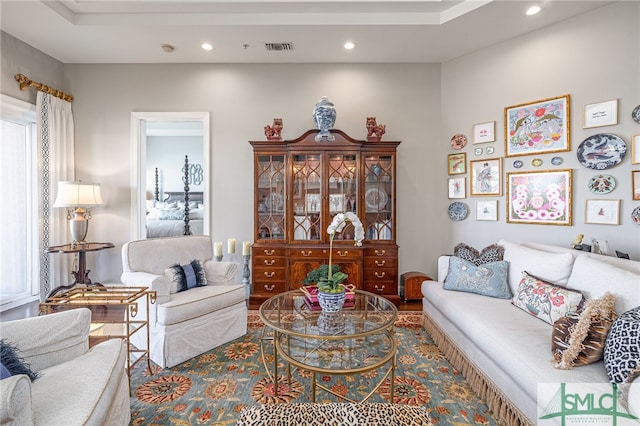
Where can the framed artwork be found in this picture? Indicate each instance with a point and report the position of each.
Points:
(457, 163)
(457, 187)
(484, 132)
(542, 197)
(635, 184)
(487, 210)
(313, 203)
(600, 114)
(485, 176)
(603, 212)
(538, 127)
(635, 149)
(336, 203)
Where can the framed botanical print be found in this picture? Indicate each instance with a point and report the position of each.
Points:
(457, 163)
(538, 127)
(541, 197)
(604, 212)
(457, 187)
(635, 149)
(485, 176)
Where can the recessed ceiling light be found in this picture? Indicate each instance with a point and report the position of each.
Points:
(533, 10)
(207, 46)
(349, 45)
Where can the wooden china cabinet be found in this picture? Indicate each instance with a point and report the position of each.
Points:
(300, 185)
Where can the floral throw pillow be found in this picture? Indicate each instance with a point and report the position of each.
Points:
(544, 300)
(489, 254)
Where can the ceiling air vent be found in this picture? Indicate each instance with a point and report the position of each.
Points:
(278, 47)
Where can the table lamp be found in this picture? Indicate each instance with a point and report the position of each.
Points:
(78, 198)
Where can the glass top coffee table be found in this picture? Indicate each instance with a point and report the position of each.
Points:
(355, 340)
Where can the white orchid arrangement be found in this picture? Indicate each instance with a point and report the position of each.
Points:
(337, 225)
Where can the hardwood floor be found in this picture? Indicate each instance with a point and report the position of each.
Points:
(31, 310)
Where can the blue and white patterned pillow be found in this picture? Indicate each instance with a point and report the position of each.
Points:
(488, 279)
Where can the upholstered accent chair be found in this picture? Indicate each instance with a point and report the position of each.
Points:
(187, 323)
(75, 385)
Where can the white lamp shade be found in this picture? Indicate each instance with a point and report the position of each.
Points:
(78, 194)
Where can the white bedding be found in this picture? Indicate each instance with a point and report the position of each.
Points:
(172, 228)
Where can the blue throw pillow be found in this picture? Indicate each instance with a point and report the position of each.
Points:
(186, 277)
(488, 279)
(13, 363)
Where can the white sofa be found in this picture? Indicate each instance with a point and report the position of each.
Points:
(76, 385)
(188, 323)
(503, 351)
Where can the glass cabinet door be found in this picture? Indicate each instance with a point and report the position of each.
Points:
(343, 189)
(378, 197)
(307, 197)
(271, 197)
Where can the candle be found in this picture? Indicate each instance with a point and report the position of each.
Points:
(246, 248)
(231, 246)
(217, 249)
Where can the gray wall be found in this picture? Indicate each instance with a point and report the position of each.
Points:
(593, 57)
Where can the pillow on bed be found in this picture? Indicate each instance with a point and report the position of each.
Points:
(544, 300)
(186, 277)
(488, 279)
(171, 215)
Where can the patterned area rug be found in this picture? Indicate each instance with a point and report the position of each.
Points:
(212, 388)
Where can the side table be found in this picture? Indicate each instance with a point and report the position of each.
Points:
(81, 276)
(110, 327)
(411, 285)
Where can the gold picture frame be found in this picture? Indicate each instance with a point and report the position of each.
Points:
(485, 176)
(457, 163)
(540, 197)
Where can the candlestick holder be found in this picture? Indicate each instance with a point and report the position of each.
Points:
(219, 258)
(246, 273)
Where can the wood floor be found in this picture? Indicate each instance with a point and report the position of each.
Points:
(31, 310)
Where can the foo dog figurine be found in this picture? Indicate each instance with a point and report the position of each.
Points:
(274, 132)
(374, 130)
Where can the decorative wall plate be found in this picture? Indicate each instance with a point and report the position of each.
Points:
(517, 164)
(375, 199)
(458, 211)
(556, 161)
(458, 141)
(602, 184)
(601, 151)
(635, 114)
(536, 162)
(635, 215)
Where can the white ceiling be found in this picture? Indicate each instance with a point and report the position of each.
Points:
(419, 31)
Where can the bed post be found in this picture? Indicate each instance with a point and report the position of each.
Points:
(185, 179)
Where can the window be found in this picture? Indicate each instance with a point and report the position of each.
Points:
(19, 217)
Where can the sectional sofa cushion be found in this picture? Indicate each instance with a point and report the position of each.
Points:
(551, 267)
(488, 279)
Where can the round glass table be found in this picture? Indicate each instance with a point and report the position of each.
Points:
(355, 340)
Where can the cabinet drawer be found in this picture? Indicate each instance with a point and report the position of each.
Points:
(375, 263)
(269, 274)
(381, 251)
(269, 251)
(382, 287)
(380, 274)
(269, 261)
(269, 288)
(316, 252)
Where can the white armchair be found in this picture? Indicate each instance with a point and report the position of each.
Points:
(185, 324)
(76, 385)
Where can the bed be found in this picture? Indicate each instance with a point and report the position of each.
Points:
(178, 213)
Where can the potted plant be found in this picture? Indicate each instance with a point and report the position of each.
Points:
(329, 279)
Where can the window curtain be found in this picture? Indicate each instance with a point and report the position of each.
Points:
(54, 126)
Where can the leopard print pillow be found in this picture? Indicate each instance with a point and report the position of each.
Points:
(309, 414)
(621, 353)
(492, 253)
